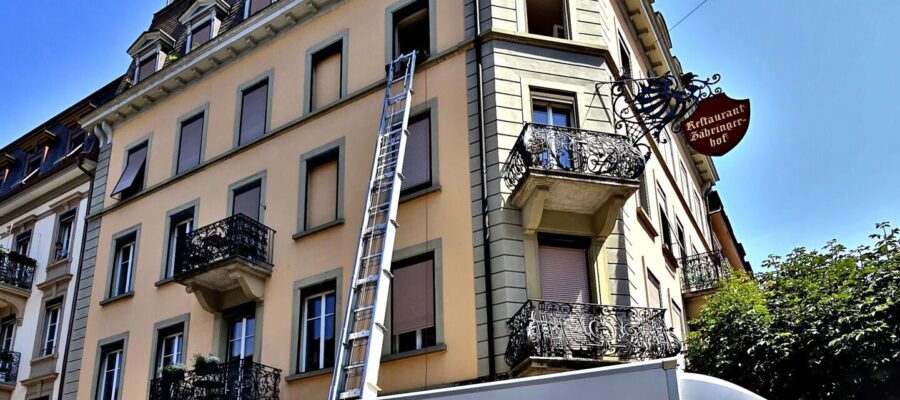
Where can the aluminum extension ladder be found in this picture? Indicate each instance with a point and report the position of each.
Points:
(359, 351)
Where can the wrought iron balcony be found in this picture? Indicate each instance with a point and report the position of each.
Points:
(235, 380)
(9, 366)
(16, 270)
(588, 332)
(702, 272)
(231, 255)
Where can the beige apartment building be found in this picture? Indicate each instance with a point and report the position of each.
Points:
(233, 170)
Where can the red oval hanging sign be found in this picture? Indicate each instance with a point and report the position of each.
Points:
(717, 125)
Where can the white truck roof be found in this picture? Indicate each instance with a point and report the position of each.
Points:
(648, 380)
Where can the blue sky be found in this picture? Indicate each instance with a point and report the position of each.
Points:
(819, 161)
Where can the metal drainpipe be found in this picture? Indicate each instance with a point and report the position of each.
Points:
(77, 277)
(485, 220)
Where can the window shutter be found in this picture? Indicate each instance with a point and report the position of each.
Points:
(326, 78)
(564, 274)
(321, 194)
(135, 164)
(189, 148)
(413, 297)
(654, 292)
(417, 159)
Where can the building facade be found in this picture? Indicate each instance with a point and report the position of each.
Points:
(534, 235)
(44, 189)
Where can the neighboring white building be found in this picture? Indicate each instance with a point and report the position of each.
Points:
(44, 194)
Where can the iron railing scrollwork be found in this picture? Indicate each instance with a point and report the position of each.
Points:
(544, 328)
(571, 150)
(704, 271)
(9, 366)
(235, 236)
(16, 270)
(233, 380)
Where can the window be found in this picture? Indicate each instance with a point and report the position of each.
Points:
(7, 332)
(23, 241)
(190, 143)
(684, 180)
(325, 85)
(554, 110)
(677, 319)
(563, 263)
(123, 267)
(246, 200)
(241, 336)
(63, 246)
(679, 229)
(412, 31)
(252, 7)
(34, 161)
(664, 218)
(110, 376)
(644, 195)
(146, 66)
(132, 180)
(199, 35)
(318, 340)
(417, 158)
(625, 55)
(322, 189)
(51, 327)
(76, 138)
(254, 108)
(547, 18)
(180, 224)
(412, 304)
(654, 291)
(169, 347)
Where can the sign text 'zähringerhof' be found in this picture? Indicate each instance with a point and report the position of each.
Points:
(717, 125)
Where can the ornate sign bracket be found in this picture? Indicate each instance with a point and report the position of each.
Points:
(646, 106)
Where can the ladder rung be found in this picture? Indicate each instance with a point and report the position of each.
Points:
(363, 309)
(351, 394)
(398, 98)
(359, 335)
(366, 280)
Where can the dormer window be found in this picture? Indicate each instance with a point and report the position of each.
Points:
(252, 7)
(146, 66)
(202, 20)
(35, 160)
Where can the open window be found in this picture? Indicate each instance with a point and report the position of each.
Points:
(169, 347)
(123, 265)
(52, 319)
(625, 55)
(64, 233)
(132, 180)
(317, 343)
(412, 30)
(180, 225)
(547, 18)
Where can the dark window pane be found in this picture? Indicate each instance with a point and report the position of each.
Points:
(546, 17)
(417, 159)
(246, 201)
(411, 30)
(146, 68)
(201, 34)
(189, 147)
(253, 112)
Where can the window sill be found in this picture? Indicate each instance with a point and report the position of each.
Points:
(41, 359)
(309, 374)
(163, 282)
(122, 296)
(60, 261)
(644, 219)
(324, 227)
(438, 348)
(671, 261)
(419, 193)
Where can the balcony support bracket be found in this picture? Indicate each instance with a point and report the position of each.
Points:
(606, 216)
(533, 210)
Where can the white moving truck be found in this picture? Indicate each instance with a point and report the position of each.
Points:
(649, 380)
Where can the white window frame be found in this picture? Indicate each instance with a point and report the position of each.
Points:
(323, 295)
(8, 334)
(51, 329)
(157, 52)
(214, 25)
(66, 229)
(243, 337)
(116, 370)
(117, 273)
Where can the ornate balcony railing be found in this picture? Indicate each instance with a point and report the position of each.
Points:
(544, 328)
(238, 236)
(9, 366)
(234, 380)
(16, 270)
(703, 271)
(572, 151)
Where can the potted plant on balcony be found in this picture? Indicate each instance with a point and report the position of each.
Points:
(205, 364)
(173, 372)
